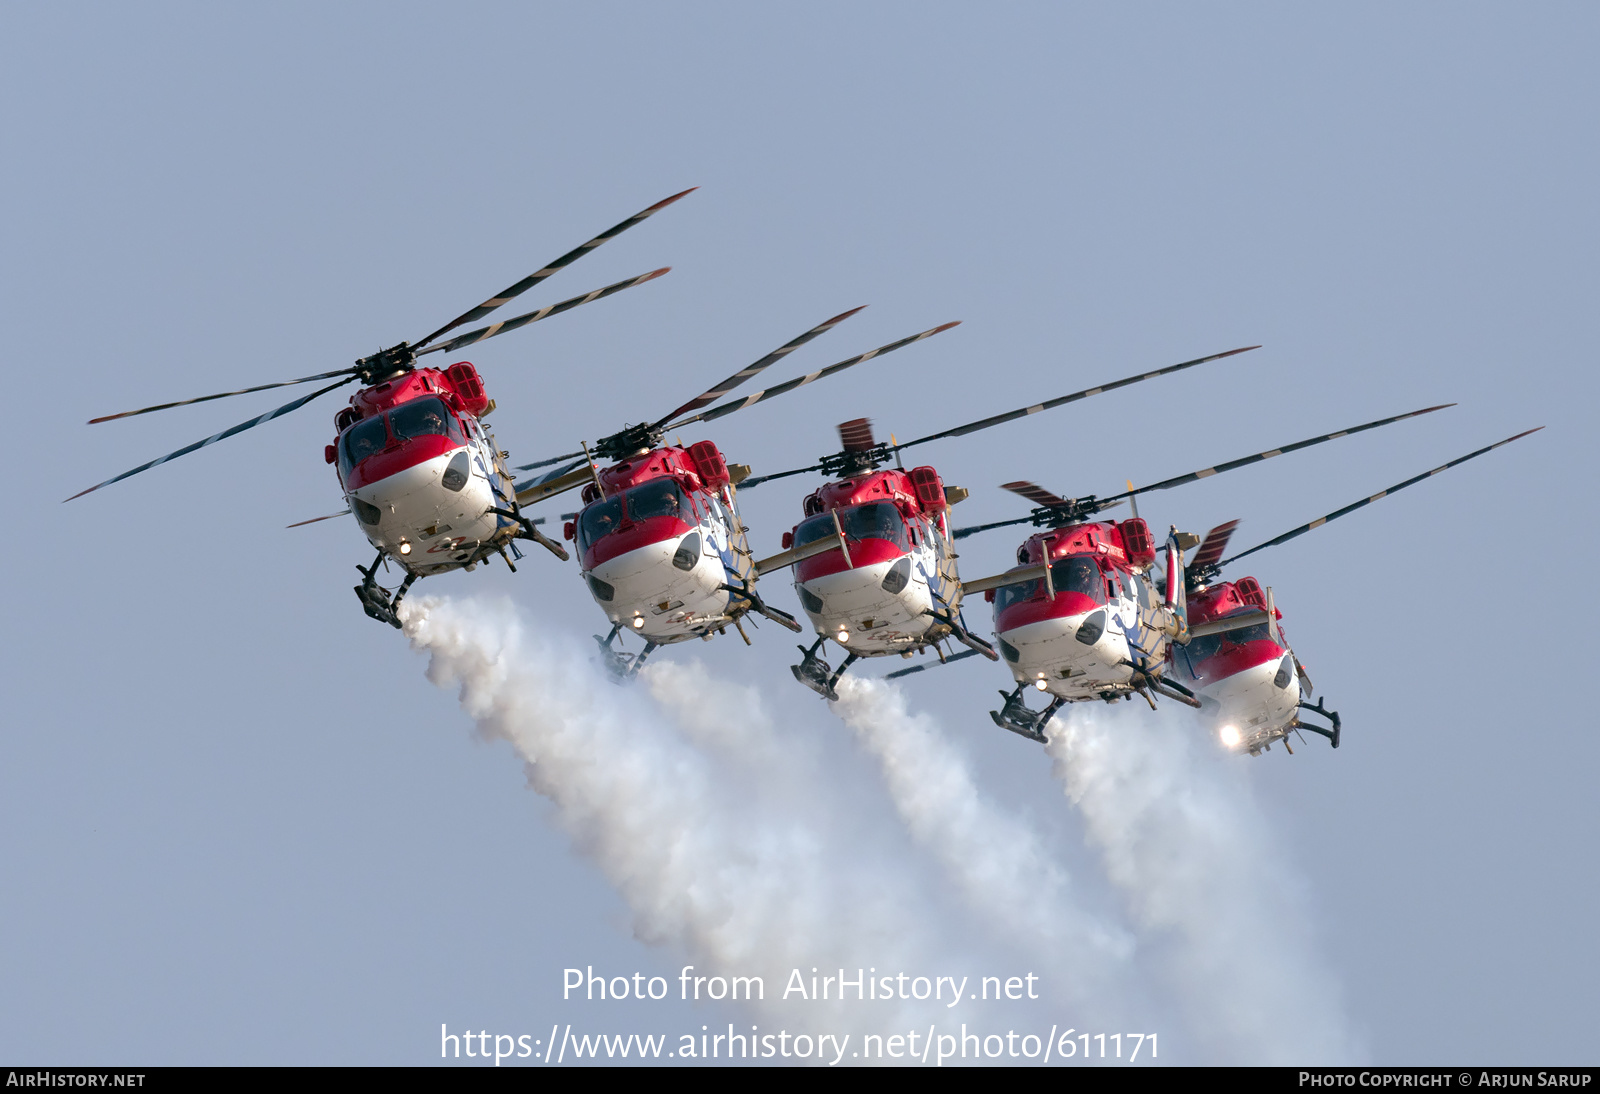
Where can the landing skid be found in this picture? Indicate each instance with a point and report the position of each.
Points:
(1016, 716)
(816, 674)
(375, 599)
(1331, 715)
(621, 665)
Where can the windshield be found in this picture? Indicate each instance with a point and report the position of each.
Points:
(875, 520)
(365, 438)
(656, 498)
(659, 498)
(1069, 575)
(1078, 575)
(424, 417)
(598, 519)
(1200, 649)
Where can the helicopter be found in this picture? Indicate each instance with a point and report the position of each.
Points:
(421, 474)
(662, 547)
(873, 561)
(1085, 615)
(1248, 680)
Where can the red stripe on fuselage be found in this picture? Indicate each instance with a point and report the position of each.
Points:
(402, 457)
(632, 537)
(1064, 605)
(866, 552)
(1230, 660)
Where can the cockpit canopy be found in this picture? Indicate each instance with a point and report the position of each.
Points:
(661, 497)
(1074, 574)
(427, 416)
(874, 520)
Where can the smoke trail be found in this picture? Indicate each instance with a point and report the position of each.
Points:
(1195, 859)
(704, 867)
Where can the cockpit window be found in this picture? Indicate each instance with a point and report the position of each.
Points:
(659, 498)
(1200, 649)
(656, 498)
(367, 437)
(874, 520)
(1069, 575)
(1078, 575)
(1007, 595)
(598, 519)
(422, 418)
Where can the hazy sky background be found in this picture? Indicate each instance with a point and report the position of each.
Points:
(237, 824)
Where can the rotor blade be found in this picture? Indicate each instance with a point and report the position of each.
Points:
(1212, 546)
(223, 395)
(537, 276)
(936, 664)
(224, 435)
(801, 381)
(717, 392)
(543, 313)
(551, 460)
(548, 476)
(1396, 488)
(963, 533)
(1036, 494)
(856, 435)
(1000, 419)
(1233, 465)
(756, 480)
(313, 520)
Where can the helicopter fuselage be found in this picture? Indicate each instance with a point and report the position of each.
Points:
(421, 473)
(1246, 679)
(893, 587)
(1098, 624)
(663, 550)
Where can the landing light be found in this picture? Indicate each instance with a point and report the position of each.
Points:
(638, 622)
(1230, 736)
(844, 635)
(1040, 684)
(405, 548)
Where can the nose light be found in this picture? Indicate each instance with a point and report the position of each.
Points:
(638, 622)
(405, 548)
(844, 635)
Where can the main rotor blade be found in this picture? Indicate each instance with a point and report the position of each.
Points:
(224, 435)
(1381, 494)
(537, 276)
(748, 371)
(302, 523)
(801, 381)
(972, 530)
(1001, 419)
(1212, 546)
(543, 313)
(223, 395)
(1036, 494)
(551, 460)
(1233, 465)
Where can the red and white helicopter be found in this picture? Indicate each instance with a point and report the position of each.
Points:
(1085, 615)
(420, 472)
(662, 546)
(1249, 682)
(874, 564)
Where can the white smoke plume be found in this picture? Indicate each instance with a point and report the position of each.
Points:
(1203, 876)
(991, 853)
(709, 865)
